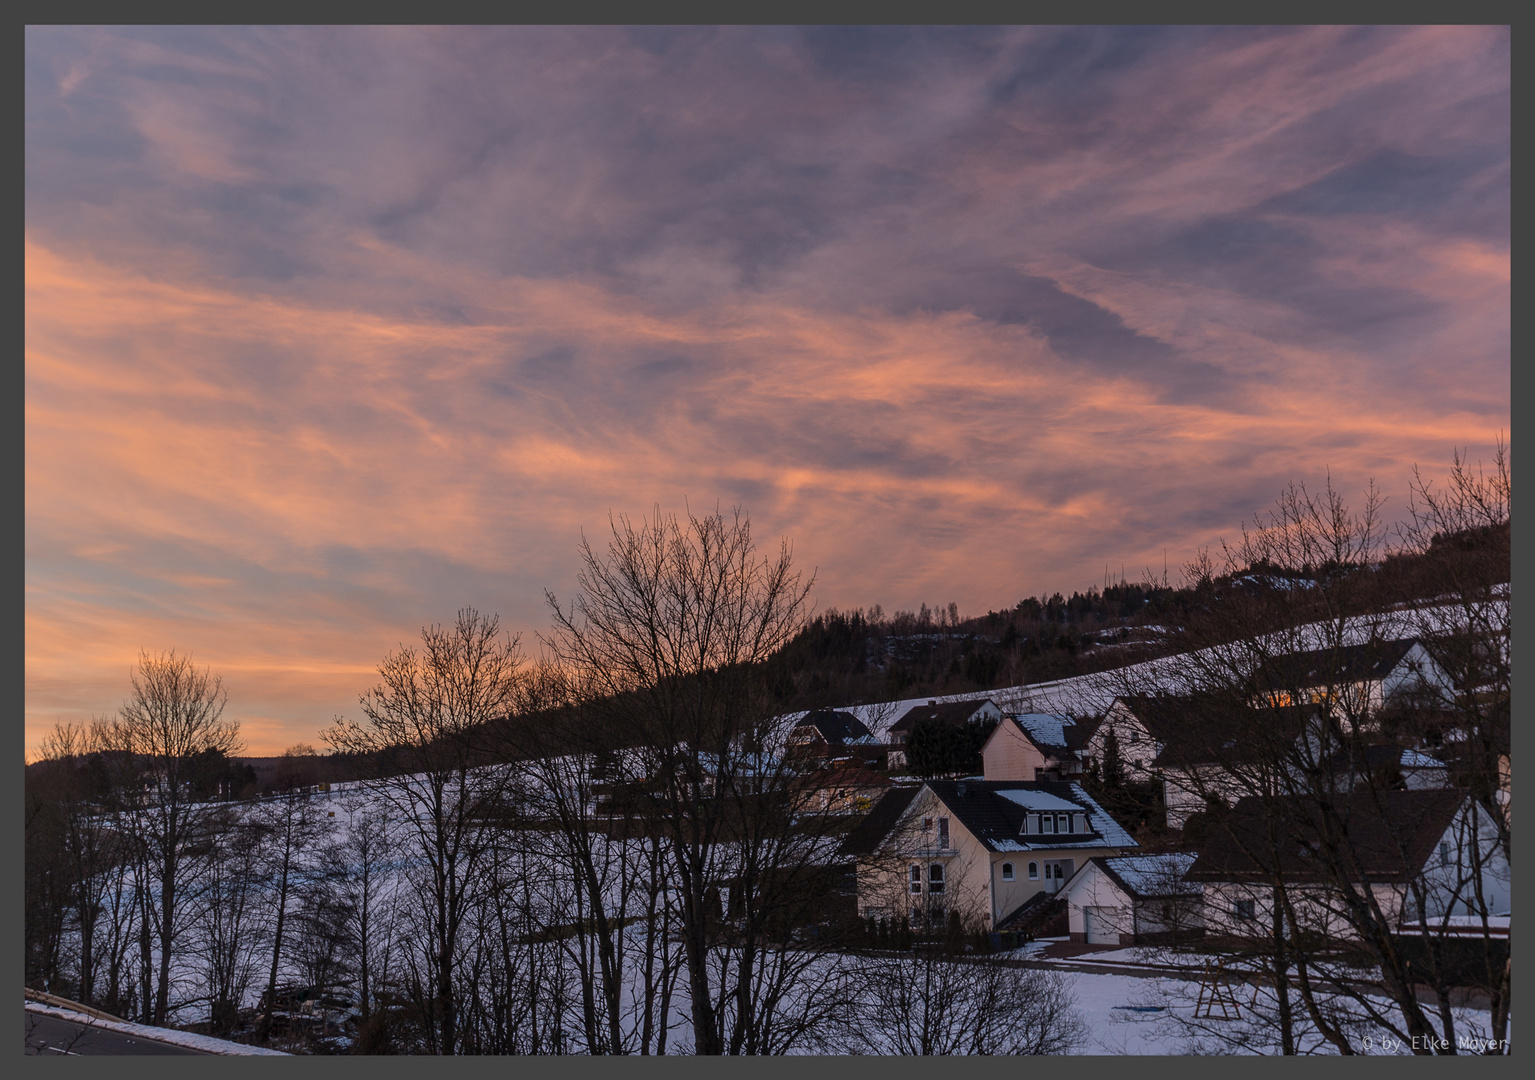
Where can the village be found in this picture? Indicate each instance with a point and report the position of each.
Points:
(1166, 862)
(767, 539)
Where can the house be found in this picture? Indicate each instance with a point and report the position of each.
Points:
(983, 848)
(1389, 765)
(1219, 754)
(828, 733)
(1356, 681)
(953, 713)
(1140, 726)
(1035, 746)
(1436, 840)
(841, 789)
(1134, 900)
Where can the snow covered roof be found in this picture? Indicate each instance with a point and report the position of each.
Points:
(993, 811)
(1045, 729)
(1146, 876)
(1038, 800)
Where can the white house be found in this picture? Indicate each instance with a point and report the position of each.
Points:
(1134, 900)
(953, 713)
(1141, 725)
(1354, 680)
(1401, 842)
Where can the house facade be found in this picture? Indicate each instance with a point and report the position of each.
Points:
(1037, 746)
(1355, 681)
(1435, 843)
(1134, 900)
(983, 848)
(1141, 726)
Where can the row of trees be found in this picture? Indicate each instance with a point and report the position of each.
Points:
(550, 856)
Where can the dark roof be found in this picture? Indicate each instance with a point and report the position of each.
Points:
(997, 821)
(834, 727)
(1237, 736)
(854, 776)
(1162, 715)
(1384, 756)
(1324, 667)
(1389, 840)
(950, 712)
(1081, 733)
(865, 837)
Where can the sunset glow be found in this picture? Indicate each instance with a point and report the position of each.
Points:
(331, 332)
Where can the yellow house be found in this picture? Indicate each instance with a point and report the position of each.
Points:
(988, 849)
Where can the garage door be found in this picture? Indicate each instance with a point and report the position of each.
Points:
(1103, 924)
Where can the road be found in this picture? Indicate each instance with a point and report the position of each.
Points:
(50, 1035)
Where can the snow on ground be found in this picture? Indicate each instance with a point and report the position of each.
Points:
(1088, 695)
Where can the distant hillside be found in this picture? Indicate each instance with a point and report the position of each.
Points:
(853, 657)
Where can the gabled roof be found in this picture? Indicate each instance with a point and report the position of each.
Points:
(1150, 877)
(1325, 667)
(833, 725)
(1238, 736)
(1391, 836)
(993, 811)
(1081, 733)
(1046, 731)
(844, 777)
(1162, 715)
(1385, 756)
(949, 712)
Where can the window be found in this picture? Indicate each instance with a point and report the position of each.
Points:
(935, 879)
(1444, 853)
(943, 832)
(1048, 823)
(1007, 871)
(927, 824)
(1243, 909)
(1062, 823)
(916, 879)
(1033, 871)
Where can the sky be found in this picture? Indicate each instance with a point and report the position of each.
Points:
(333, 331)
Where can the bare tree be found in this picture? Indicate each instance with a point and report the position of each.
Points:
(667, 639)
(937, 1000)
(427, 720)
(173, 715)
(362, 861)
(231, 915)
(575, 813)
(291, 830)
(1284, 705)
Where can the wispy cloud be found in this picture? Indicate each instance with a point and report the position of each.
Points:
(332, 331)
